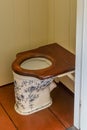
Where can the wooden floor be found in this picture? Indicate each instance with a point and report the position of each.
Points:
(57, 117)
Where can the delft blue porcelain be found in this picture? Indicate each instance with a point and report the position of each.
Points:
(31, 94)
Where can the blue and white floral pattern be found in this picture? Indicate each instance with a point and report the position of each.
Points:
(27, 92)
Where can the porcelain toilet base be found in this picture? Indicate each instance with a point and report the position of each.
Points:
(33, 110)
(31, 94)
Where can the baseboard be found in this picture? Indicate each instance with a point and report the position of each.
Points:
(6, 84)
(72, 128)
(69, 83)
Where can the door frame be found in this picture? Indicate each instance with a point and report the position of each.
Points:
(80, 102)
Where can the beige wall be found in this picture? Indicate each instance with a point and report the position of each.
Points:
(23, 26)
(26, 24)
(62, 22)
(51, 19)
(39, 22)
(62, 19)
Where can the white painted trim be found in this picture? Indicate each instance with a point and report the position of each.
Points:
(83, 118)
(80, 107)
(71, 77)
(64, 74)
(78, 71)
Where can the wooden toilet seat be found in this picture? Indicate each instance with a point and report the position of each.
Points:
(62, 61)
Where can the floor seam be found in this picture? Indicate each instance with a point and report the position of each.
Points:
(57, 117)
(8, 116)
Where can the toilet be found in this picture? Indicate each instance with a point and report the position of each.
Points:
(34, 72)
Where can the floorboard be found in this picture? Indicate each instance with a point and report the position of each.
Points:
(57, 117)
(62, 106)
(5, 122)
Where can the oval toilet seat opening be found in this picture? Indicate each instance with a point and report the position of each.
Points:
(36, 63)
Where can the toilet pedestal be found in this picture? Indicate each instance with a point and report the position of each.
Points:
(46, 62)
(31, 94)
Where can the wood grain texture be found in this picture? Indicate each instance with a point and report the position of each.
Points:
(63, 105)
(62, 61)
(57, 117)
(42, 120)
(5, 122)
